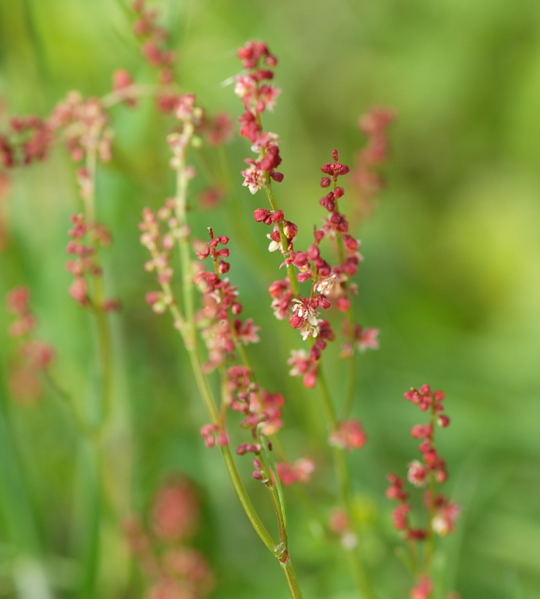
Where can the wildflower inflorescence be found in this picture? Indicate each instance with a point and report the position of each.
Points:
(86, 239)
(164, 551)
(33, 356)
(429, 472)
(316, 286)
(366, 177)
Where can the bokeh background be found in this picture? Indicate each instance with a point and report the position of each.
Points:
(451, 277)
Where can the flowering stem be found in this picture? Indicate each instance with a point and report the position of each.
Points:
(105, 356)
(92, 469)
(283, 240)
(350, 325)
(190, 339)
(430, 542)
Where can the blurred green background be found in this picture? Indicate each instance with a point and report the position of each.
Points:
(451, 277)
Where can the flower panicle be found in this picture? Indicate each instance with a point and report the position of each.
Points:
(33, 356)
(428, 472)
(83, 265)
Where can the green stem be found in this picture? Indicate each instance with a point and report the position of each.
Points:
(351, 384)
(92, 463)
(92, 467)
(349, 401)
(290, 575)
(249, 509)
(342, 472)
(105, 355)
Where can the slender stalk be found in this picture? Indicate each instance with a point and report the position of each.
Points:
(249, 509)
(92, 467)
(135, 91)
(351, 383)
(92, 470)
(290, 575)
(342, 472)
(105, 355)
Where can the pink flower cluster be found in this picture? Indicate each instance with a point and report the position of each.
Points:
(261, 409)
(27, 140)
(160, 245)
(258, 95)
(33, 356)
(85, 240)
(84, 124)
(349, 434)
(442, 512)
(360, 337)
(299, 471)
(218, 318)
(175, 510)
(173, 568)
(155, 51)
(330, 285)
(366, 177)
(422, 589)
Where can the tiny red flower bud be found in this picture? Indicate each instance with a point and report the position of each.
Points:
(325, 181)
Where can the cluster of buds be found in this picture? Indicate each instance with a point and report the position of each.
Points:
(340, 524)
(85, 240)
(218, 318)
(257, 96)
(299, 471)
(33, 356)
(260, 408)
(213, 435)
(305, 364)
(210, 197)
(194, 120)
(5, 184)
(154, 49)
(359, 337)
(160, 244)
(422, 589)
(366, 177)
(442, 513)
(261, 411)
(27, 140)
(216, 129)
(348, 434)
(164, 553)
(122, 86)
(175, 510)
(432, 464)
(330, 285)
(84, 125)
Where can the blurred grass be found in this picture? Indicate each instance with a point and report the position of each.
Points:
(450, 273)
